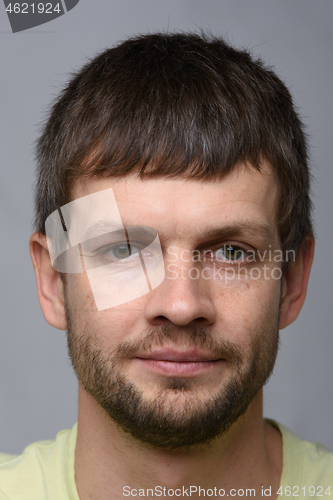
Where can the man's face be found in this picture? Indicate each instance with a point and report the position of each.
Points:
(179, 365)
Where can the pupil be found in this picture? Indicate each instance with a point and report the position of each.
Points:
(232, 253)
(122, 251)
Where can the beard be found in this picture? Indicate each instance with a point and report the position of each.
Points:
(176, 418)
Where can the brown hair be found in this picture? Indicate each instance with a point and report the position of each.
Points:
(175, 105)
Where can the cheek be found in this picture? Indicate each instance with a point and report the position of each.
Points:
(79, 297)
(246, 308)
(111, 326)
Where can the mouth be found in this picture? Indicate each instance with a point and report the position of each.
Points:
(170, 362)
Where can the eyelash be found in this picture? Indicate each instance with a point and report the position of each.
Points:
(237, 248)
(109, 249)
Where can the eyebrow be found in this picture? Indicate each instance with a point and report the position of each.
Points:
(101, 227)
(248, 228)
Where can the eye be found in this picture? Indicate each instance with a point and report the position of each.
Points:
(230, 253)
(122, 250)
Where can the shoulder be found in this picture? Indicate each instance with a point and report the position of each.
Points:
(45, 470)
(305, 464)
(317, 464)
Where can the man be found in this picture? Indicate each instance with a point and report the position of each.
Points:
(173, 240)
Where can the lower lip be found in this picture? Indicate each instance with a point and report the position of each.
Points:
(177, 368)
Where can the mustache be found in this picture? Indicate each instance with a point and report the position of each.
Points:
(204, 339)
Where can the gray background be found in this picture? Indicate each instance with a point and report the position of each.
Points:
(38, 394)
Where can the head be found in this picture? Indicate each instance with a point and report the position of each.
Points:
(202, 143)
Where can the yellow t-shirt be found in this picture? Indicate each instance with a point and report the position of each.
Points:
(307, 471)
(45, 470)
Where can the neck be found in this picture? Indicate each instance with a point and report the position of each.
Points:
(110, 464)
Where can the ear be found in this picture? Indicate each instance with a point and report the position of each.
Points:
(295, 283)
(49, 284)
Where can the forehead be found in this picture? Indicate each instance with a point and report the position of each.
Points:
(180, 205)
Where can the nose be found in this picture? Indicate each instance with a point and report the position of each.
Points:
(183, 297)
